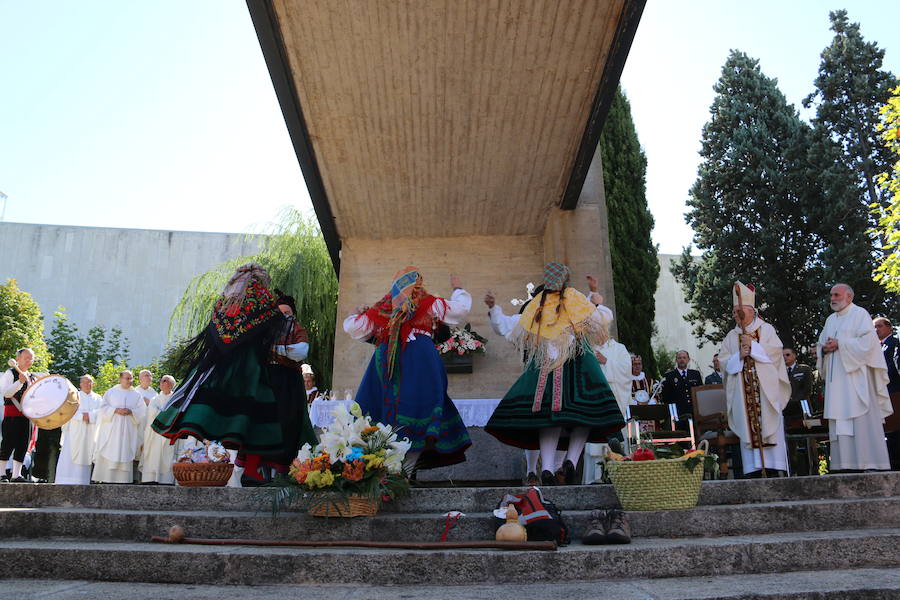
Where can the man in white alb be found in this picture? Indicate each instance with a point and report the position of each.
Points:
(119, 435)
(76, 455)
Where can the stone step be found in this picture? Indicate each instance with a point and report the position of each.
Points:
(646, 558)
(848, 584)
(441, 500)
(703, 521)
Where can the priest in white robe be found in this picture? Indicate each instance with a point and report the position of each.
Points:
(119, 435)
(615, 362)
(158, 454)
(76, 455)
(851, 362)
(754, 339)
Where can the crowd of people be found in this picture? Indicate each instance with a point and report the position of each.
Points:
(248, 388)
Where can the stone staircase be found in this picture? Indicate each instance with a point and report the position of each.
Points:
(784, 528)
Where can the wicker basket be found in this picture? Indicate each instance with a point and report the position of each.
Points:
(656, 484)
(353, 506)
(190, 474)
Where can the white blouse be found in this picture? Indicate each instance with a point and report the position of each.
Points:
(360, 327)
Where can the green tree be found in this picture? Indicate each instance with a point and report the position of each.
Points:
(851, 87)
(63, 344)
(21, 325)
(634, 257)
(665, 362)
(887, 272)
(846, 157)
(748, 210)
(295, 255)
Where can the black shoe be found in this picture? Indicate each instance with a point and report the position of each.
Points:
(548, 478)
(532, 479)
(565, 475)
(619, 529)
(596, 529)
(17, 480)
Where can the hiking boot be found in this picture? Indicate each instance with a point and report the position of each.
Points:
(596, 533)
(618, 529)
(565, 475)
(547, 478)
(532, 479)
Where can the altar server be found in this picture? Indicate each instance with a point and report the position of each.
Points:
(158, 454)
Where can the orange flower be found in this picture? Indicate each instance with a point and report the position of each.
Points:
(355, 470)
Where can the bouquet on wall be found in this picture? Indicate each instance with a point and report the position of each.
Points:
(355, 458)
(463, 341)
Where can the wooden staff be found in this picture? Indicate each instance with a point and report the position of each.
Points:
(361, 544)
(751, 392)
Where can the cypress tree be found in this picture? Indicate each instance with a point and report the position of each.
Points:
(748, 210)
(634, 257)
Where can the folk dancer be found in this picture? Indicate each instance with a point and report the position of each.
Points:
(227, 395)
(405, 384)
(562, 399)
(119, 435)
(756, 386)
(851, 362)
(78, 434)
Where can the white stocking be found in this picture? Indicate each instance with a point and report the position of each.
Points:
(16, 469)
(577, 439)
(235, 480)
(531, 458)
(548, 439)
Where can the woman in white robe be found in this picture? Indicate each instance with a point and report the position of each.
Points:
(119, 435)
(158, 454)
(74, 466)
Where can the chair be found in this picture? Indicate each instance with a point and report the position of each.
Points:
(711, 420)
(661, 416)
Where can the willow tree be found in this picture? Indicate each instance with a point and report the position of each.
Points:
(294, 252)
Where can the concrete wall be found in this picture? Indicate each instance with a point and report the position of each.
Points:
(126, 278)
(673, 331)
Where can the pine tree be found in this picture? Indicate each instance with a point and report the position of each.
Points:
(747, 210)
(850, 89)
(634, 257)
(847, 156)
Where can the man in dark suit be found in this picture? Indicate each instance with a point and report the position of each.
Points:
(677, 384)
(716, 376)
(891, 348)
(801, 378)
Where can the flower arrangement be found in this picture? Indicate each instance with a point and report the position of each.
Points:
(355, 458)
(463, 341)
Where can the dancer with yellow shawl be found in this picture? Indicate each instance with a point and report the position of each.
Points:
(562, 400)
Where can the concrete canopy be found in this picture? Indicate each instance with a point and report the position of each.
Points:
(443, 118)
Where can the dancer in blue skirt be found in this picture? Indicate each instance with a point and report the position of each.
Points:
(405, 384)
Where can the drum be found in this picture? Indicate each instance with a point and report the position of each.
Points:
(50, 401)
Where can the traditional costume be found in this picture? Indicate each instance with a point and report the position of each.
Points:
(119, 437)
(285, 376)
(760, 382)
(856, 392)
(16, 428)
(76, 456)
(405, 384)
(228, 395)
(158, 454)
(642, 389)
(617, 370)
(562, 399)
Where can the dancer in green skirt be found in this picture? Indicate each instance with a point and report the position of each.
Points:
(562, 400)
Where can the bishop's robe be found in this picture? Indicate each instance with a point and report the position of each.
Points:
(774, 390)
(856, 395)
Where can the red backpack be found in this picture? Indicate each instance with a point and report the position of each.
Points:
(540, 517)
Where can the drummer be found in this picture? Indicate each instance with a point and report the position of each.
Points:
(16, 428)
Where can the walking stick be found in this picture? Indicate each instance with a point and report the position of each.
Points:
(751, 393)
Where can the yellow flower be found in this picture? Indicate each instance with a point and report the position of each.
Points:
(319, 479)
(373, 461)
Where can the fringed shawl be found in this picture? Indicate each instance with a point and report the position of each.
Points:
(559, 335)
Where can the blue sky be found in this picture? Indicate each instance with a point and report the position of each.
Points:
(160, 114)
